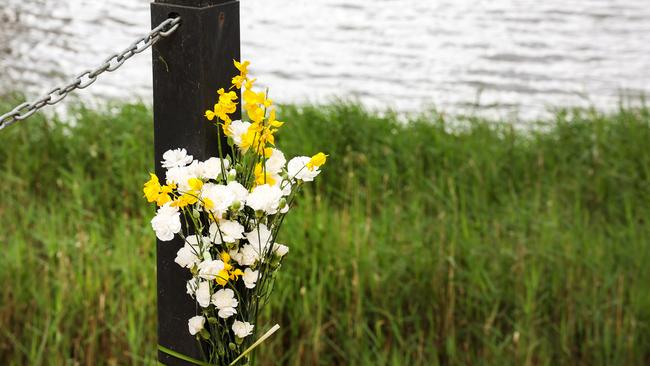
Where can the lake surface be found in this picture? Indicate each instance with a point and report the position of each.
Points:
(503, 57)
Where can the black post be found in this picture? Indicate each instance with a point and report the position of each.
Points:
(188, 68)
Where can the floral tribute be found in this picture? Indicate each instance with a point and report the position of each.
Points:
(228, 210)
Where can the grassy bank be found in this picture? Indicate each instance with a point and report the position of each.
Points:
(417, 247)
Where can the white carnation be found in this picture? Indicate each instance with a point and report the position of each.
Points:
(195, 169)
(240, 192)
(242, 329)
(275, 162)
(250, 278)
(175, 158)
(187, 257)
(195, 324)
(259, 238)
(209, 269)
(247, 255)
(220, 196)
(212, 168)
(297, 169)
(191, 253)
(265, 198)
(224, 300)
(180, 176)
(203, 294)
(230, 231)
(167, 222)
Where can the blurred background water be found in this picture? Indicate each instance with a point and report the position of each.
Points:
(502, 57)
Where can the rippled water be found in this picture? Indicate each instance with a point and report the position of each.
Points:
(507, 55)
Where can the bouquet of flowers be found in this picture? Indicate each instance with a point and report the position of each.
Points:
(229, 210)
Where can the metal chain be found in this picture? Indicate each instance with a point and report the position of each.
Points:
(88, 77)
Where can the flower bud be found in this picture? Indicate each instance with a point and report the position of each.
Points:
(235, 206)
(232, 175)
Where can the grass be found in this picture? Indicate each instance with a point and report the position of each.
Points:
(419, 246)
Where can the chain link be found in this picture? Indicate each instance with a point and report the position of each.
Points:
(88, 77)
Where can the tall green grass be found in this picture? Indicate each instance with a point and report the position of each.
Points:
(424, 243)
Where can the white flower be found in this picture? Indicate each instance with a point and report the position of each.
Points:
(195, 169)
(177, 157)
(220, 197)
(192, 286)
(195, 324)
(286, 187)
(280, 249)
(297, 169)
(203, 294)
(186, 257)
(206, 241)
(212, 168)
(250, 278)
(247, 255)
(180, 176)
(191, 254)
(225, 301)
(230, 231)
(265, 198)
(167, 222)
(238, 130)
(242, 329)
(275, 162)
(240, 192)
(259, 238)
(209, 269)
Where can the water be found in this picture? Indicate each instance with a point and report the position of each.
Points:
(499, 57)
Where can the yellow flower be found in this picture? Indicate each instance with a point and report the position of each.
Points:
(185, 200)
(207, 203)
(242, 67)
(255, 113)
(195, 183)
(228, 272)
(272, 121)
(152, 188)
(162, 199)
(168, 188)
(240, 79)
(316, 161)
(224, 107)
(263, 177)
(157, 193)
